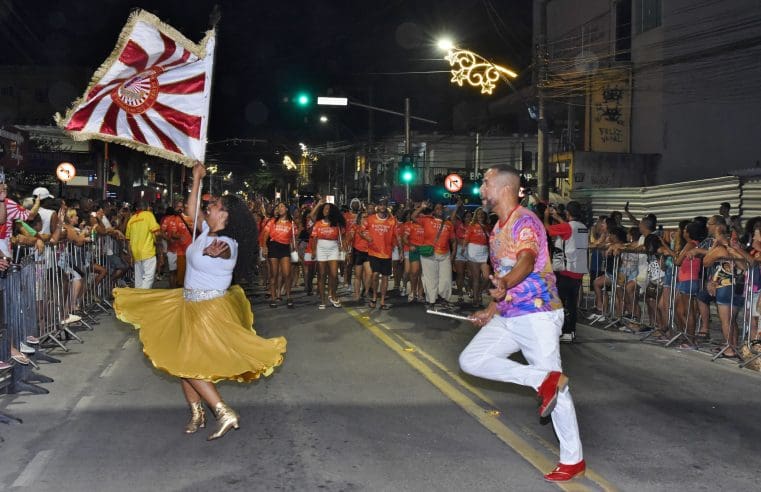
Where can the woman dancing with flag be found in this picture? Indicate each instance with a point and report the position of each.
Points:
(203, 333)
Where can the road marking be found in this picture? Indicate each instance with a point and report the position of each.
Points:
(591, 474)
(81, 405)
(522, 447)
(33, 469)
(107, 370)
(128, 342)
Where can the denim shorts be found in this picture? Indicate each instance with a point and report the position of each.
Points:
(726, 296)
(688, 286)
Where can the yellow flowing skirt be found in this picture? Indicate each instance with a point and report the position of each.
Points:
(210, 340)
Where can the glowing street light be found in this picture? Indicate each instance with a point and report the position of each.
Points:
(323, 119)
(445, 44)
(473, 68)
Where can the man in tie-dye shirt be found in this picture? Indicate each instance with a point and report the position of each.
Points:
(526, 315)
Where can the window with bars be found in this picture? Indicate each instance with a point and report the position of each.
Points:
(648, 14)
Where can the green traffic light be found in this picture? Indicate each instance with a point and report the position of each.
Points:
(407, 176)
(476, 189)
(303, 99)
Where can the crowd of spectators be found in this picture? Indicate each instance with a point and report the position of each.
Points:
(434, 254)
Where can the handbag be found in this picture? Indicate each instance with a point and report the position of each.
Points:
(341, 252)
(427, 249)
(294, 252)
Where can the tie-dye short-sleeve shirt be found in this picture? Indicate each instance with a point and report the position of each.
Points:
(538, 291)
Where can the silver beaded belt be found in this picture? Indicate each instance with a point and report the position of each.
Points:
(195, 295)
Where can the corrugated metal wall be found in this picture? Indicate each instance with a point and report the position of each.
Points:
(751, 199)
(677, 201)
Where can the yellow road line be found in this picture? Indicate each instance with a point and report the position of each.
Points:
(591, 474)
(502, 431)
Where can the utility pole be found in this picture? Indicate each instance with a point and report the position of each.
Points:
(370, 135)
(407, 141)
(540, 75)
(343, 173)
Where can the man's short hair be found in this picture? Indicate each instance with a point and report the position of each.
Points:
(505, 169)
(725, 205)
(574, 209)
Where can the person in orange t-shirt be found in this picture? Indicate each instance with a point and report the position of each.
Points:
(437, 268)
(350, 216)
(477, 250)
(413, 237)
(278, 239)
(381, 234)
(362, 271)
(327, 236)
(178, 238)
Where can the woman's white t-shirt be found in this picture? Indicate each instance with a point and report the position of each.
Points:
(205, 272)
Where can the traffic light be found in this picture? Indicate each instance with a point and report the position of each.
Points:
(303, 99)
(407, 169)
(476, 189)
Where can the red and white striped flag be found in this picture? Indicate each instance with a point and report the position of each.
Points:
(151, 94)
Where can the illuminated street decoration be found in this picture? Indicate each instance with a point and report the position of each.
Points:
(66, 171)
(476, 70)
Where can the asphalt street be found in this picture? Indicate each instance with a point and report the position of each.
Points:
(374, 400)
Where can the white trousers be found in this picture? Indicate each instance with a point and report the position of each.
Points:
(537, 336)
(145, 271)
(437, 276)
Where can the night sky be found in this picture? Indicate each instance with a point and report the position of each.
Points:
(268, 51)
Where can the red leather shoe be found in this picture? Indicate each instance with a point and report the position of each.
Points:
(564, 473)
(548, 392)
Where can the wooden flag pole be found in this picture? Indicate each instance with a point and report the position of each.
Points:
(214, 17)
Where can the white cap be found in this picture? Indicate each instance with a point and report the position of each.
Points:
(43, 193)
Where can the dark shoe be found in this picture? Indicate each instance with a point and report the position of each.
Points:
(273, 304)
(564, 473)
(553, 384)
(289, 303)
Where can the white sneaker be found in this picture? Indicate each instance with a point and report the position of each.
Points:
(566, 338)
(72, 318)
(26, 349)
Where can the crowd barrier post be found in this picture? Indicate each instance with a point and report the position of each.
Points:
(21, 319)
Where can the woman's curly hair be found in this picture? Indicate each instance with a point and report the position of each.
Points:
(334, 217)
(241, 227)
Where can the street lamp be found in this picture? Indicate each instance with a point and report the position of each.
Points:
(477, 71)
(323, 119)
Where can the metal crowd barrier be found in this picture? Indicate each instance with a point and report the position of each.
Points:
(45, 295)
(653, 306)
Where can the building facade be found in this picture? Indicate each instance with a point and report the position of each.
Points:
(674, 82)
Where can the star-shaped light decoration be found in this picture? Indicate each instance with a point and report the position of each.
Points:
(476, 70)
